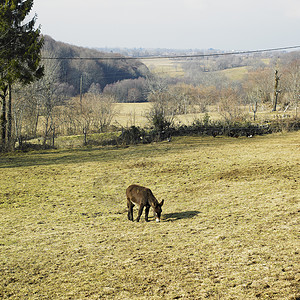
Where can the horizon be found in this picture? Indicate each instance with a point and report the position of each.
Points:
(177, 53)
(166, 24)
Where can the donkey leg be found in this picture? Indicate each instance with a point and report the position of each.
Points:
(147, 213)
(140, 213)
(130, 206)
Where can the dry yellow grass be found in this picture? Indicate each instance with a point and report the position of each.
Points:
(235, 74)
(164, 67)
(229, 230)
(135, 114)
(132, 114)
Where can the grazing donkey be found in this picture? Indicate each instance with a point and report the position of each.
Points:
(143, 197)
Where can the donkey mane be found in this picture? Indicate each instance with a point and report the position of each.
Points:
(151, 198)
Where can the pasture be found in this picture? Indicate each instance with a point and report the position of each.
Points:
(135, 114)
(229, 229)
(165, 66)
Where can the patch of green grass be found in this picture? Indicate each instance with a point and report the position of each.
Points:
(229, 227)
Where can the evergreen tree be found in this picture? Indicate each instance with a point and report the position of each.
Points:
(20, 48)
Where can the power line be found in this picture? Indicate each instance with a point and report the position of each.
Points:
(174, 56)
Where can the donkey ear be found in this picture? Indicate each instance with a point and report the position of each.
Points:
(161, 203)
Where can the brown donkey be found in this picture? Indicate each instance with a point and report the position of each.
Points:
(143, 197)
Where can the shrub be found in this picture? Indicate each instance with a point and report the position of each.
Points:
(133, 135)
(288, 124)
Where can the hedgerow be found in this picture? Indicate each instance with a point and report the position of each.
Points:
(136, 135)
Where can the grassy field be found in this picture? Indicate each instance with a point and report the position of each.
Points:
(235, 74)
(129, 114)
(173, 68)
(132, 114)
(229, 230)
(165, 66)
(135, 114)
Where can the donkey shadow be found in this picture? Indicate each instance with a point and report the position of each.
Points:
(171, 217)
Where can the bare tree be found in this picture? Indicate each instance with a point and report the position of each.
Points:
(277, 91)
(258, 83)
(93, 113)
(103, 110)
(254, 98)
(49, 92)
(163, 111)
(26, 112)
(229, 106)
(83, 114)
(291, 83)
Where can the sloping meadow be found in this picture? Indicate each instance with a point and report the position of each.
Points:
(229, 229)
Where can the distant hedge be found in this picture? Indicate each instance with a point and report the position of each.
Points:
(136, 135)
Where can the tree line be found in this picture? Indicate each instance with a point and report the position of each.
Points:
(74, 63)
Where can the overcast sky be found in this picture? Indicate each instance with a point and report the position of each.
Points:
(183, 24)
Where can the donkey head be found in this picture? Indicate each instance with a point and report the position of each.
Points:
(157, 210)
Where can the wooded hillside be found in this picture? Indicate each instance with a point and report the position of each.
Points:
(96, 73)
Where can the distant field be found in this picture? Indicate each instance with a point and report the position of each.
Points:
(235, 73)
(129, 114)
(132, 114)
(173, 68)
(229, 230)
(164, 66)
